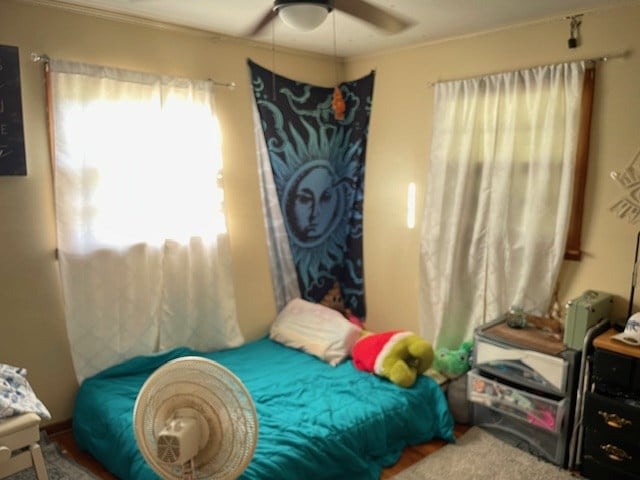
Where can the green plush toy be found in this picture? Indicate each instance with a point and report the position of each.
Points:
(453, 363)
(399, 356)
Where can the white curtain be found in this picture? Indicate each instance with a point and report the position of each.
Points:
(498, 196)
(142, 240)
(284, 277)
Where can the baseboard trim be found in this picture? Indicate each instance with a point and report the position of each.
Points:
(57, 427)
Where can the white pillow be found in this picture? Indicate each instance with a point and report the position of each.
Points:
(315, 329)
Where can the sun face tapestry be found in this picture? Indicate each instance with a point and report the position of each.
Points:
(317, 167)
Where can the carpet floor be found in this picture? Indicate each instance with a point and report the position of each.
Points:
(478, 455)
(59, 466)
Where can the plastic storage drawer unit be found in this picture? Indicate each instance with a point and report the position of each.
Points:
(543, 412)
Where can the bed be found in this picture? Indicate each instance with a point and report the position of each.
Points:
(315, 420)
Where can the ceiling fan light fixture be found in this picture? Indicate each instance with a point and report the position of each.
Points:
(304, 16)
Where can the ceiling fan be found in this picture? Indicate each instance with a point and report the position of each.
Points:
(306, 15)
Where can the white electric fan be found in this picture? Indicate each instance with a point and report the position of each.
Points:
(194, 419)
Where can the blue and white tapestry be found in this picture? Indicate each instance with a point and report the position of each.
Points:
(316, 176)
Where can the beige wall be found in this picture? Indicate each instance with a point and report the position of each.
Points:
(32, 332)
(398, 150)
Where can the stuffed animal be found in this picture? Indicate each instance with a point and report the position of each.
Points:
(399, 356)
(333, 299)
(453, 363)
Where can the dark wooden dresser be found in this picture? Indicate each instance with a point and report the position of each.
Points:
(611, 418)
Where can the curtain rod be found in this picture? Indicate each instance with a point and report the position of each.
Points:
(604, 58)
(40, 57)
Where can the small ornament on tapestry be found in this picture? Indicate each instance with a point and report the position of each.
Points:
(338, 104)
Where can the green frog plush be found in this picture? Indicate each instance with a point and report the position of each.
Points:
(399, 356)
(453, 363)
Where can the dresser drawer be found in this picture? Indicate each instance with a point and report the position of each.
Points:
(614, 369)
(612, 450)
(595, 470)
(535, 370)
(543, 412)
(544, 444)
(612, 416)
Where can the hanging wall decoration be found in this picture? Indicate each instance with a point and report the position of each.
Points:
(628, 207)
(317, 159)
(12, 150)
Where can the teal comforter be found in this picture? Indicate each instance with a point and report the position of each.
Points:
(315, 421)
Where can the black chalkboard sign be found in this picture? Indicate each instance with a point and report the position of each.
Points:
(12, 153)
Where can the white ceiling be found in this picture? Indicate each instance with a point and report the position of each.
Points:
(434, 19)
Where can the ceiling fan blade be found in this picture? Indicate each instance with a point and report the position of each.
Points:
(376, 16)
(267, 18)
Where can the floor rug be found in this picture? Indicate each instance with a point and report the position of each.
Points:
(478, 455)
(59, 466)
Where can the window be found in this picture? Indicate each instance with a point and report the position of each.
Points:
(499, 196)
(142, 240)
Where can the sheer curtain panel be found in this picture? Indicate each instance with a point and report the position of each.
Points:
(142, 239)
(283, 270)
(498, 196)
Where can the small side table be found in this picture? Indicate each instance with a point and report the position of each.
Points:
(19, 448)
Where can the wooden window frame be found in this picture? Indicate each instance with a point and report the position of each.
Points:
(573, 247)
